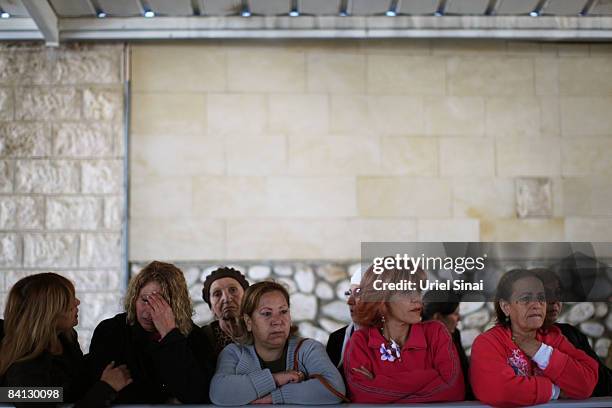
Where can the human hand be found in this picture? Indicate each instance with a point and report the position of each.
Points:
(286, 377)
(117, 377)
(364, 371)
(161, 314)
(267, 399)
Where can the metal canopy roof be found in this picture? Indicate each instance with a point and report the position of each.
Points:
(65, 20)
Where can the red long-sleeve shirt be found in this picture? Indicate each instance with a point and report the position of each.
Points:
(502, 375)
(429, 369)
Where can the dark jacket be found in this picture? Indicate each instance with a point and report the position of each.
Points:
(580, 341)
(1, 329)
(217, 339)
(66, 370)
(334, 346)
(175, 367)
(469, 395)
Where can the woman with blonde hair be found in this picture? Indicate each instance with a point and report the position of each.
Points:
(40, 348)
(156, 338)
(272, 365)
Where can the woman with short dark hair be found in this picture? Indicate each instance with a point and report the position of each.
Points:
(272, 365)
(516, 363)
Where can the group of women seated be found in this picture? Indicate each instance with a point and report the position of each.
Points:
(154, 353)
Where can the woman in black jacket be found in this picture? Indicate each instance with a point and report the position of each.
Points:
(166, 353)
(40, 348)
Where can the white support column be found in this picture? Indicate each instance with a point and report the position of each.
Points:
(43, 15)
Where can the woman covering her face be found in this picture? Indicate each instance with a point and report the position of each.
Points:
(518, 363)
(164, 350)
(394, 357)
(261, 368)
(41, 349)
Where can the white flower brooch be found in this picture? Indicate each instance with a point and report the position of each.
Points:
(390, 354)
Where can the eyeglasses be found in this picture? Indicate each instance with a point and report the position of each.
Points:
(353, 292)
(526, 299)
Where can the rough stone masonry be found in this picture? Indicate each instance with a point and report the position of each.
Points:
(61, 171)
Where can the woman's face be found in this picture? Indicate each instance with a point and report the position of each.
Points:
(405, 307)
(70, 318)
(143, 310)
(527, 305)
(553, 302)
(225, 297)
(271, 321)
(450, 320)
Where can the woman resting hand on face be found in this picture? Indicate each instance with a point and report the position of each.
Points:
(167, 354)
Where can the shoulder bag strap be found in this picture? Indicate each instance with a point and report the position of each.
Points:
(319, 377)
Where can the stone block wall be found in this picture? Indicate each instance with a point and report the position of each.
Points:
(61, 171)
(303, 149)
(260, 153)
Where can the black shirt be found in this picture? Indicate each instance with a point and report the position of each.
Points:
(65, 370)
(175, 368)
(580, 341)
(275, 366)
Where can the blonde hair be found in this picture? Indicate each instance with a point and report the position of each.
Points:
(250, 300)
(173, 289)
(33, 310)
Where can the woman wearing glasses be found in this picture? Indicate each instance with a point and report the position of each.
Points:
(516, 363)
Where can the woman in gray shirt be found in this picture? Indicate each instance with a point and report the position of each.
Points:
(262, 370)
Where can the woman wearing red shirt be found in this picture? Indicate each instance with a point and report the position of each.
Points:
(394, 358)
(516, 363)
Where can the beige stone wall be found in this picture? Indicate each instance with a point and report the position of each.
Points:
(61, 171)
(303, 149)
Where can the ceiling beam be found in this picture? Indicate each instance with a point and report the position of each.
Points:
(570, 28)
(47, 22)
